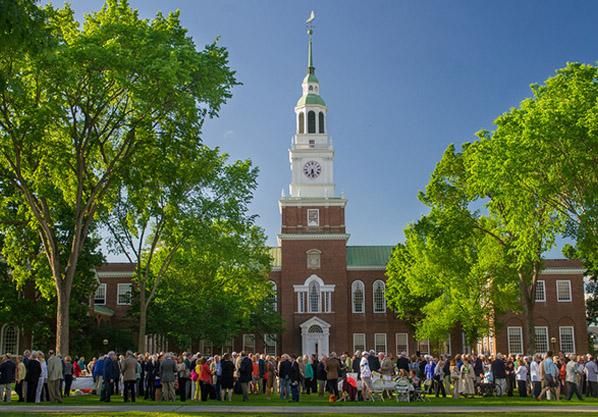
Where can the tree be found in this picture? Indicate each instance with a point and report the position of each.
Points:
(216, 290)
(192, 198)
(74, 113)
(488, 231)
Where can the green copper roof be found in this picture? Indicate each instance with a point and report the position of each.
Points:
(103, 310)
(276, 256)
(310, 78)
(311, 99)
(368, 255)
(356, 255)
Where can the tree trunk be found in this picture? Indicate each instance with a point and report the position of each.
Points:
(142, 323)
(63, 294)
(528, 301)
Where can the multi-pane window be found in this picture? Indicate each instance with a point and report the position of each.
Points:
(249, 343)
(358, 342)
(301, 122)
(100, 295)
(205, 348)
(541, 339)
(273, 296)
(321, 122)
(314, 297)
(228, 347)
(515, 340)
(423, 346)
(540, 291)
(124, 294)
(311, 122)
(301, 302)
(379, 300)
(327, 302)
(313, 217)
(563, 290)
(402, 343)
(357, 294)
(380, 342)
(10, 340)
(445, 345)
(566, 335)
(270, 344)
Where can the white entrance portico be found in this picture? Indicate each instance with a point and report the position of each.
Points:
(315, 335)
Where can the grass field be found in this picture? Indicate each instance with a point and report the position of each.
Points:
(305, 400)
(167, 414)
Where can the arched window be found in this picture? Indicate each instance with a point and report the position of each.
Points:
(274, 296)
(311, 122)
(301, 122)
(379, 300)
(314, 297)
(314, 328)
(321, 120)
(357, 290)
(10, 339)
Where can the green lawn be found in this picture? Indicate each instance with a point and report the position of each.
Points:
(314, 400)
(159, 414)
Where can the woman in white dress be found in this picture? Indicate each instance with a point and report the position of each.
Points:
(467, 378)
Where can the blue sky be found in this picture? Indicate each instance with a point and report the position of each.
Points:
(402, 80)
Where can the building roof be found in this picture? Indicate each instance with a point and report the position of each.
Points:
(356, 256)
(311, 99)
(368, 255)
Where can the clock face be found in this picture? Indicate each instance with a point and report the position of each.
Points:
(312, 169)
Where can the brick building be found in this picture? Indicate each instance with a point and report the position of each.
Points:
(330, 295)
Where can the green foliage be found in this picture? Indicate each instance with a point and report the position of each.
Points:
(87, 110)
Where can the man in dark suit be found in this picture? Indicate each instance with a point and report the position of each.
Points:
(245, 369)
(295, 379)
(110, 375)
(34, 371)
(150, 389)
(284, 373)
(403, 363)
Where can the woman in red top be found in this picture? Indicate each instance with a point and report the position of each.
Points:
(205, 379)
(255, 375)
(76, 369)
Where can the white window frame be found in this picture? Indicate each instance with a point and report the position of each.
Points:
(558, 295)
(327, 301)
(206, 348)
(425, 343)
(354, 287)
(383, 336)
(270, 342)
(119, 293)
(561, 328)
(301, 302)
(4, 342)
(100, 287)
(542, 331)
(356, 345)
(519, 331)
(313, 217)
(317, 308)
(274, 296)
(383, 310)
(406, 344)
(446, 343)
(246, 337)
(229, 347)
(541, 284)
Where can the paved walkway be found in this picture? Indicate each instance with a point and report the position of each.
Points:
(292, 410)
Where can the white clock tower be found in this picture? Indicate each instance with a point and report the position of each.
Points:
(311, 154)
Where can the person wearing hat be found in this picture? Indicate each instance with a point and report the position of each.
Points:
(7, 374)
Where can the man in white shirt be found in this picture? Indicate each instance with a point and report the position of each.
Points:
(366, 376)
(534, 373)
(591, 371)
(574, 372)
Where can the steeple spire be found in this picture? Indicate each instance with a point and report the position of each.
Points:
(310, 60)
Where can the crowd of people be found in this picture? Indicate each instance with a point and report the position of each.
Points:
(163, 377)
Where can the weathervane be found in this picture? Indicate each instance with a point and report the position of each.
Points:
(309, 25)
